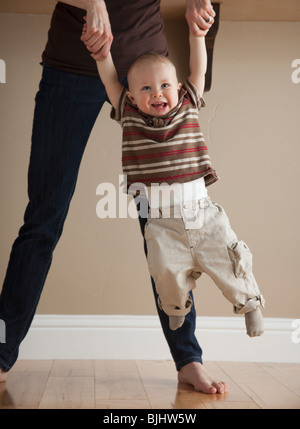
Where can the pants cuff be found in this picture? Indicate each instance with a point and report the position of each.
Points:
(250, 305)
(188, 360)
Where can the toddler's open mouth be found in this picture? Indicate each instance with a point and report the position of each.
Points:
(159, 106)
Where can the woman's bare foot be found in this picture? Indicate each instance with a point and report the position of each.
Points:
(3, 375)
(195, 374)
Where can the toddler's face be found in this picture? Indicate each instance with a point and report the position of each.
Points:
(153, 87)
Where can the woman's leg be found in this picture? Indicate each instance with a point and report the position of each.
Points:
(67, 106)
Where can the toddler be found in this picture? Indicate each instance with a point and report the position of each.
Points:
(166, 161)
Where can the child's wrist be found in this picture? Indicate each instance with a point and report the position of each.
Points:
(195, 36)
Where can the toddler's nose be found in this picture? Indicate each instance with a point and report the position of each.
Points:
(156, 92)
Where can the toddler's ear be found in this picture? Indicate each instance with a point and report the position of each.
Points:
(179, 86)
(131, 97)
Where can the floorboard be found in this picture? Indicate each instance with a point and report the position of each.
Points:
(100, 384)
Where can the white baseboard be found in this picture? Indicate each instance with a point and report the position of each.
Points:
(141, 337)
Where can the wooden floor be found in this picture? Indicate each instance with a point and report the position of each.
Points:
(97, 384)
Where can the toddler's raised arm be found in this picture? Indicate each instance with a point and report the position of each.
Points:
(198, 61)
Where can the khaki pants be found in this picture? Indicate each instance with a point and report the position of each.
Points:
(194, 238)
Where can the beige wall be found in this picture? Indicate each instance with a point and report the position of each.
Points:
(252, 128)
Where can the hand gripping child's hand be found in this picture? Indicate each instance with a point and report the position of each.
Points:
(96, 34)
(200, 16)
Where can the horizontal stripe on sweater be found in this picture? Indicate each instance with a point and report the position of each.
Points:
(167, 178)
(159, 136)
(170, 167)
(146, 143)
(160, 154)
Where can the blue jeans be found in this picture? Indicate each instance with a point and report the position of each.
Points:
(67, 106)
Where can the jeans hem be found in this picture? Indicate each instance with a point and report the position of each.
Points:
(4, 366)
(188, 360)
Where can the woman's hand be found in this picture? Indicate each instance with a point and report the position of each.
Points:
(97, 35)
(200, 16)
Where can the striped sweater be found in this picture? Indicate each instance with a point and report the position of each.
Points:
(165, 149)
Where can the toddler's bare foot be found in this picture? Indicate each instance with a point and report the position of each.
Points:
(254, 322)
(195, 374)
(3, 375)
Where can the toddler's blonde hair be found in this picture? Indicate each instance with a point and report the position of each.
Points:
(149, 57)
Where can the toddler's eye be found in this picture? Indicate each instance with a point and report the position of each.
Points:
(146, 88)
(165, 85)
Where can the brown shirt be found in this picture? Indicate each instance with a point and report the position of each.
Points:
(137, 27)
